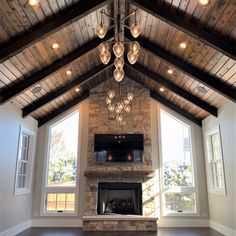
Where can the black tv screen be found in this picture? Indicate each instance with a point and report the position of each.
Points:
(118, 148)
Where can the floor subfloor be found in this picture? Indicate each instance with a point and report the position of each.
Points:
(79, 232)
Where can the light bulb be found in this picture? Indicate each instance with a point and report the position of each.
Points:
(119, 117)
(126, 101)
(111, 107)
(119, 63)
(127, 108)
(119, 74)
(33, 3)
(204, 2)
(111, 94)
(134, 47)
(118, 49)
(132, 57)
(135, 30)
(103, 47)
(55, 46)
(120, 105)
(130, 96)
(118, 110)
(108, 100)
(183, 45)
(101, 31)
(105, 57)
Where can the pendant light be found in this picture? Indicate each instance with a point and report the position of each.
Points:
(134, 47)
(118, 49)
(119, 63)
(135, 28)
(132, 57)
(119, 74)
(105, 57)
(103, 47)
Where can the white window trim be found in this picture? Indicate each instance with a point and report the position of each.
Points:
(29, 170)
(193, 161)
(208, 149)
(60, 189)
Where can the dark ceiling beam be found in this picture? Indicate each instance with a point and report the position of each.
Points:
(63, 108)
(210, 81)
(60, 91)
(13, 90)
(174, 88)
(176, 108)
(178, 22)
(39, 32)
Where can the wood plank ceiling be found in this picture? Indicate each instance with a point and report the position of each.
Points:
(28, 61)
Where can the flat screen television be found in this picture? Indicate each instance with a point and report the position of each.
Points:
(118, 148)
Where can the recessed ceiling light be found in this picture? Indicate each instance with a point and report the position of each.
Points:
(77, 90)
(55, 46)
(170, 71)
(33, 3)
(201, 89)
(162, 89)
(68, 72)
(36, 89)
(204, 2)
(183, 45)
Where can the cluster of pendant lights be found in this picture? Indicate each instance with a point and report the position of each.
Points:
(119, 106)
(118, 50)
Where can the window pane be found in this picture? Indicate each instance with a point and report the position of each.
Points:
(176, 152)
(180, 202)
(63, 152)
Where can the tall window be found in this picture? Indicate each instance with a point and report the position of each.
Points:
(179, 193)
(61, 182)
(215, 160)
(24, 162)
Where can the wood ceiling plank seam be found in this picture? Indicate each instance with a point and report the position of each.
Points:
(61, 4)
(19, 65)
(69, 3)
(193, 54)
(183, 7)
(148, 25)
(187, 27)
(54, 6)
(4, 36)
(12, 70)
(216, 57)
(4, 79)
(231, 25)
(51, 27)
(61, 109)
(21, 57)
(30, 55)
(154, 34)
(224, 69)
(174, 48)
(174, 6)
(39, 13)
(199, 10)
(83, 30)
(87, 24)
(29, 12)
(229, 73)
(219, 64)
(79, 37)
(190, 9)
(46, 8)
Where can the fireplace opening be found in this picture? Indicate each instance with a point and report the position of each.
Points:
(119, 198)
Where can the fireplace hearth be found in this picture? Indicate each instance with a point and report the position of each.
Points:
(119, 198)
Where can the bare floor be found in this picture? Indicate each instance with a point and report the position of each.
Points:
(79, 232)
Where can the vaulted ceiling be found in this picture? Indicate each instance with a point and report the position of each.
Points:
(28, 60)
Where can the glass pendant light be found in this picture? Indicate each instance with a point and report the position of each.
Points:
(127, 108)
(119, 117)
(118, 49)
(130, 96)
(132, 57)
(101, 31)
(126, 101)
(119, 63)
(119, 74)
(117, 110)
(105, 57)
(134, 47)
(108, 100)
(111, 94)
(120, 105)
(135, 30)
(103, 47)
(111, 107)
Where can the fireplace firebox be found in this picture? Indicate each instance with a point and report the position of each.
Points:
(119, 198)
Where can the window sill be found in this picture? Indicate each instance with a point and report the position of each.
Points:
(22, 191)
(58, 214)
(181, 214)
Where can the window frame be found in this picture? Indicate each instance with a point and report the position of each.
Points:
(59, 189)
(29, 164)
(210, 161)
(178, 189)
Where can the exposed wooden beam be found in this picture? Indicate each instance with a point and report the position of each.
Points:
(39, 32)
(176, 108)
(62, 109)
(210, 81)
(174, 88)
(178, 22)
(13, 90)
(49, 97)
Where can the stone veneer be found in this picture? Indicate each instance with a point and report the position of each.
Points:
(102, 121)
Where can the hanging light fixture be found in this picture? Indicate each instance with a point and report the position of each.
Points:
(119, 74)
(105, 57)
(111, 94)
(135, 28)
(119, 63)
(130, 96)
(134, 47)
(101, 29)
(132, 57)
(103, 47)
(118, 49)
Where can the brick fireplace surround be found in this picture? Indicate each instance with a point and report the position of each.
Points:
(103, 122)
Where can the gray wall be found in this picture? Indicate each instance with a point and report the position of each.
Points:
(13, 209)
(223, 208)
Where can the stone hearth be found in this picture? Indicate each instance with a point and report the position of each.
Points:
(102, 122)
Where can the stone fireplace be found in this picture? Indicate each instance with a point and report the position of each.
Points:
(120, 196)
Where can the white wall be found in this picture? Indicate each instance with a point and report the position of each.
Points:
(222, 208)
(14, 209)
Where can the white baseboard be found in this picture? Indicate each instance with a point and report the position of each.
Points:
(56, 223)
(183, 223)
(222, 229)
(16, 229)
